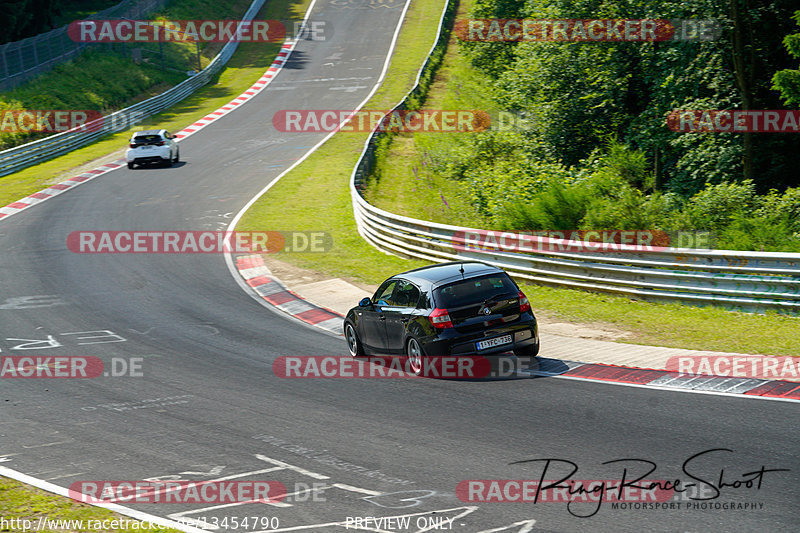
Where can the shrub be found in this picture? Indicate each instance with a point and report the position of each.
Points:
(784, 206)
(621, 161)
(716, 206)
(630, 210)
(559, 206)
(759, 233)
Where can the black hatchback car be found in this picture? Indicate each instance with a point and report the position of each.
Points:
(449, 309)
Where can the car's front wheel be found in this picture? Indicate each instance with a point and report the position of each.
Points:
(130, 165)
(414, 356)
(177, 157)
(353, 342)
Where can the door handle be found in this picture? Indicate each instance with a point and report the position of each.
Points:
(381, 317)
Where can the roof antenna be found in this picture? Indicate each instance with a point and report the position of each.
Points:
(461, 269)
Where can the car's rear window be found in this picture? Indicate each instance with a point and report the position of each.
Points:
(147, 139)
(474, 290)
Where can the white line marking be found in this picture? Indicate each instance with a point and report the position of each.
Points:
(243, 474)
(45, 445)
(211, 481)
(127, 511)
(527, 526)
(357, 489)
(352, 89)
(226, 505)
(287, 466)
(65, 475)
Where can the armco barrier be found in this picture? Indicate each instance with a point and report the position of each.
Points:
(23, 156)
(23, 59)
(745, 281)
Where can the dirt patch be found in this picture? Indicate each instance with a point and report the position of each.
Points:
(584, 330)
(293, 275)
(91, 165)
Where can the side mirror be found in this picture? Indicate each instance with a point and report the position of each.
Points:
(365, 302)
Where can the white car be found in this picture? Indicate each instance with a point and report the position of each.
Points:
(152, 146)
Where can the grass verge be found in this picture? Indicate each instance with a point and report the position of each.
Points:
(249, 62)
(20, 502)
(105, 78)
(315, 197)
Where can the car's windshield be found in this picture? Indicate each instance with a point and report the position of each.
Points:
(474, 290)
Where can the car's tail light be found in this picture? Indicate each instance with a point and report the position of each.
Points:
(133, 145)
(160, 143)
(440, 319)
(524, 304)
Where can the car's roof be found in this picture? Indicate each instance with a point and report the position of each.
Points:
(148, 132)
(443, 273)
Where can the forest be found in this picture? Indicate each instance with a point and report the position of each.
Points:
(596, 151)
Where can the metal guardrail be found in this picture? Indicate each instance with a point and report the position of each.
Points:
(28, 154)
(20, 60)
(744, 281)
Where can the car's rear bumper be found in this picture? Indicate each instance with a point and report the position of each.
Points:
(150, 159)
(524, 333)
(151, 156)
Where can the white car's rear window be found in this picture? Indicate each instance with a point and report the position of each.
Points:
(147, 139)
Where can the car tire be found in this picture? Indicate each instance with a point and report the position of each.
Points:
(177, 157)
(415, 357)
(130, 165)
(527, 351)
(354, 345)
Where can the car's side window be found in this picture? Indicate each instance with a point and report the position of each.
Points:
(424, 301)
(383, 296)
(406, 294)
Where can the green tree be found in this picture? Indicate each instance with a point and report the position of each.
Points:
(24, 18)
(787, 81)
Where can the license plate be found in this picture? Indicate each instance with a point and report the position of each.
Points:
(146, 147)
(497, 341)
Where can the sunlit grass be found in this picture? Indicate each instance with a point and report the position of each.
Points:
(19, 501)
